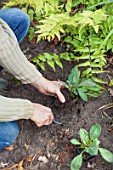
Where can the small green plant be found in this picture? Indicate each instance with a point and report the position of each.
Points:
(89, 144)
(83, 87)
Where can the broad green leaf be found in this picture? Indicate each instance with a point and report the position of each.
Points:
(95, 132)
(92, 150)
(84, 136)
(74, 76)
(87, 82)
(76, 162)
(107, 155)
(75, 142)
(82, 94)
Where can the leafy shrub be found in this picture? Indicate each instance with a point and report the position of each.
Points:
(84, 87)
(89, 144)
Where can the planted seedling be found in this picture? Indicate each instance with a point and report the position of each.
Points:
(89, 144)
(83, 87)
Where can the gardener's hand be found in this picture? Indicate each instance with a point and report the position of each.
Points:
(42, 115)
(51, 88)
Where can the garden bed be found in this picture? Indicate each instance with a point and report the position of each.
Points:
(52, 142)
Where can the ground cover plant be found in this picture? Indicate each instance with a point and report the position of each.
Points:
(89, 144)
(74, 38)
(84, 87)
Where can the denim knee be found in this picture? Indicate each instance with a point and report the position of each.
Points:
(23, 23)
(8, 133)
(24, 16)
(18, 21)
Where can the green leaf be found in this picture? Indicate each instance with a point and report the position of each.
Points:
(58, 62)
(51, 64)
(35, 60)
(76, 162)
(82, 94)
(86, 72)
(42, 66)
(75, 142)
(31, 33)
(106, 39)
(31, 13)
(68, 39)
(74, 76)
(41, 57)
(92, 150)
(87, 63)
(65, 56)
(48, 56)
(87, 83)
(84, 136)
(107, 155)
(95, 132)
(98, 71)
(69, 5)
(98, 80)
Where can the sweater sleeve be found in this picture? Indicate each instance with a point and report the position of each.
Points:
(14, 109)
(13, 59)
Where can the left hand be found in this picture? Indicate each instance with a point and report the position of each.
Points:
(48, 87)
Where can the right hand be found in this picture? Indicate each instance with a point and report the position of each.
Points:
(42, 115)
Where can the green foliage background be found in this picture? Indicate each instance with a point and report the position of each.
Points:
(86, 26)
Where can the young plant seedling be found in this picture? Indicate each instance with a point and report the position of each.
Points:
(89, 144)
(83, 87)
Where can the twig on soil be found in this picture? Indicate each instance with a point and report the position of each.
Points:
(103, 108)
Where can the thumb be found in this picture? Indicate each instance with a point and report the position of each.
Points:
(60, 96)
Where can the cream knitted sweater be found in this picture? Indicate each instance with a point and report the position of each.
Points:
(15, 62)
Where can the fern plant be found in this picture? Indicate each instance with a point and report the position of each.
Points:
(51, 60)
(86, 42)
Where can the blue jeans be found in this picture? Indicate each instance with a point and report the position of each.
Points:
(19, 22)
